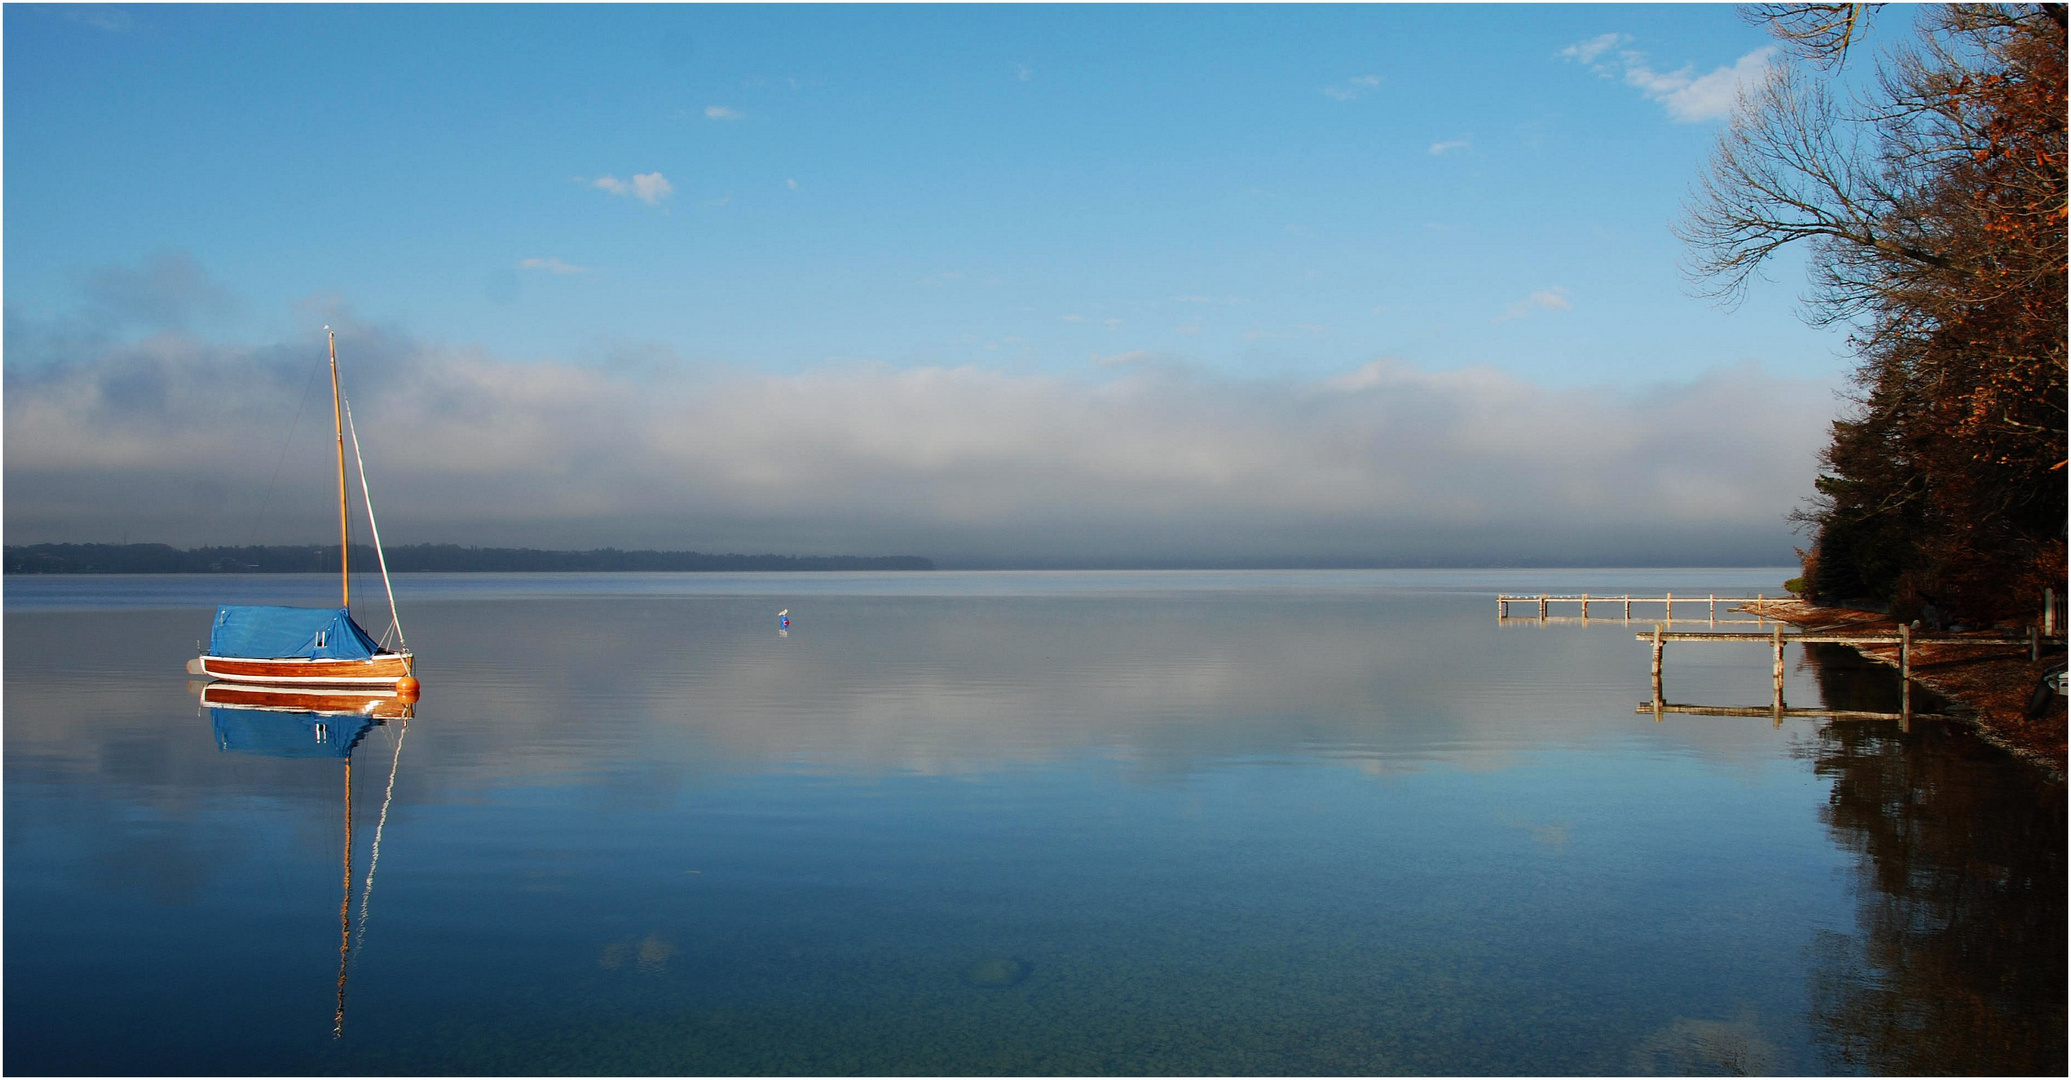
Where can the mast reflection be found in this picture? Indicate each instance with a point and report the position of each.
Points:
(295, 722)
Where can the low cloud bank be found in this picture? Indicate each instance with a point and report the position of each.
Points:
(177, 439)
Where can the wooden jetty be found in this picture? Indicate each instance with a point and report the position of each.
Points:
(1543, 602)
(1905, 639)
(1663, 708)
(1540, 604)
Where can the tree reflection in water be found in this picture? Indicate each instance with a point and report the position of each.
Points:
(1957, 964)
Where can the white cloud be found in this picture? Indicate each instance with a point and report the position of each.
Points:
(1691, 99)
(721, 112)
(1074, 318)
(790, 183)
(100, 17)
(1023, 72)
(551, 266)
(1354, 87)
(650, 188)
(1688, 97)
(1122, 359)
(1453, 146)
(1586, 52)
(1553, 299)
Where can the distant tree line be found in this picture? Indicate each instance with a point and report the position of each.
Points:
(1932, 205)
(418, 558)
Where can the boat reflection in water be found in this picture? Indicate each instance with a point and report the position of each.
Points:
(296, 722)
(301, 722)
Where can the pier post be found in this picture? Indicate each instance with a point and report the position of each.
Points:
(1657, 673)
(1585, 607)
(1502, 607)
(1712, 612)
(1668, 606)
(1905, 676)
(1777, 637)
(1628, 607)
(1542, 607)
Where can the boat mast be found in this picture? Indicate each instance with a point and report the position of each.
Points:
(338, 423)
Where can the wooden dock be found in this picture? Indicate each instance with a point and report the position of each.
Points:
(1776, 639)
(1662, 708)
(1541, 604)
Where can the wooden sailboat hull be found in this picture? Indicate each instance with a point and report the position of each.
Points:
(374, 671)
(380, 704)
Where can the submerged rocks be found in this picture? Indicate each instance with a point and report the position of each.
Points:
(997, 973)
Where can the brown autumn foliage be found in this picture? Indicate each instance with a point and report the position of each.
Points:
(1935, 210)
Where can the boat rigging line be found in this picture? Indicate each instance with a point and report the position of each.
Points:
(367, 499)
(266, 500)
(374, 859)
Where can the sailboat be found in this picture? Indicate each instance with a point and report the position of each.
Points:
(315, 647)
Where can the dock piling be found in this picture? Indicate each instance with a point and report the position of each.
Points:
(1778, 673)
(1657, 673)
(1905, 677)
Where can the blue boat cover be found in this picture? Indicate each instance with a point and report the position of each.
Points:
(287, 734)
(277, 633)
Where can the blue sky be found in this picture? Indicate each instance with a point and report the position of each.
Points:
(1235, 197)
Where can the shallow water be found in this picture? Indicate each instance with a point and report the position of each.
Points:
(1245, 822)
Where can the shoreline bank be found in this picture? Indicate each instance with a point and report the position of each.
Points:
(1987, 684)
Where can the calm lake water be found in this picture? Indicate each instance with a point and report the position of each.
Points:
(1143, 823)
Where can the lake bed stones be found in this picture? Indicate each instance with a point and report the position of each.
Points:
(997, 973)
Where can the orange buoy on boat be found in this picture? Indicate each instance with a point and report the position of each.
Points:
(406, 688)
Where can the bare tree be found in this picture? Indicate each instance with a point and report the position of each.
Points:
(1821, 33)
(1931, 206)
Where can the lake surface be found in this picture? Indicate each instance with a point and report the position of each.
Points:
(1141, 823)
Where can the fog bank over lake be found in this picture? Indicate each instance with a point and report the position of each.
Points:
(1142, 460)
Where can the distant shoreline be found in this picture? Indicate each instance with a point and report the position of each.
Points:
(416, 558)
